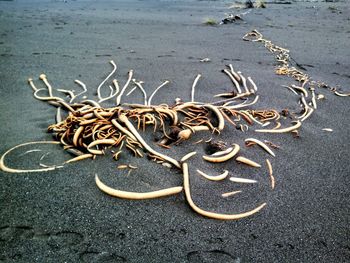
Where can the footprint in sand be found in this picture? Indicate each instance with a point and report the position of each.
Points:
(105, 257)
(59, 240)
(64, 239)
(211, 256)
(8, 233)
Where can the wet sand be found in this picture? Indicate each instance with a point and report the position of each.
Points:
(61, 216)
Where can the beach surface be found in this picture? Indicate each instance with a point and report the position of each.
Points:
(61, 216)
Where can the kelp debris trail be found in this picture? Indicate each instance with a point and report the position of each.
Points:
(306, 85)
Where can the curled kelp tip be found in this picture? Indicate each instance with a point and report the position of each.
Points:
(218, 177)
(194, 86)
(156, 90)
(242, 180)
(247, 161)
(272, 178)
(187, 156)
(80, 157)
(231, 193)
(341, 94)
(261, 144)
(223, 156)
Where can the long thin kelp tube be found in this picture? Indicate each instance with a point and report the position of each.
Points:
(136, 195)
(288, 129)
(11, 170)
(131, 127)
(207, 213)
(103, 82)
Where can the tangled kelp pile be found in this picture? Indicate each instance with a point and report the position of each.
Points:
(86, 129)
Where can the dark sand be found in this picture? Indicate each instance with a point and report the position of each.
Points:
(61, 216)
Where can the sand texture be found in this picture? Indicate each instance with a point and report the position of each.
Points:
(61, 216)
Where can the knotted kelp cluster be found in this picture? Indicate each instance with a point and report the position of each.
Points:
(87, 129)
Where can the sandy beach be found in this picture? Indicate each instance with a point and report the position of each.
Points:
(61, 216)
